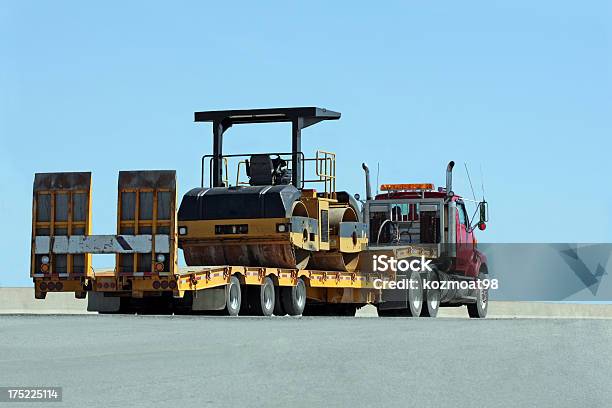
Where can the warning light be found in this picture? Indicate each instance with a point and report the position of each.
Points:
(407, 187)
(159, 267)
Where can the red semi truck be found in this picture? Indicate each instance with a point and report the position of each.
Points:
(406, 218)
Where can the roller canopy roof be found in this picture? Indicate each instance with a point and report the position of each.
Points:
(310, 115)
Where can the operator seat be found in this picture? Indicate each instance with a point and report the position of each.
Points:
(260, 170)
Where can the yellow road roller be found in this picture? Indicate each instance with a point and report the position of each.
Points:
(276, 209)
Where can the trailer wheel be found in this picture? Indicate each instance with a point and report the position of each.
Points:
(261, 298)
(233, 297)
(293, 298)
(431, 302)
(478, 310)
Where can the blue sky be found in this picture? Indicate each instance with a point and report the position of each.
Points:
(521, 88)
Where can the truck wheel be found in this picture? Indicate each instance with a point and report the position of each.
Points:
(233, 297)
(294, 298)
(431, 302)
(279, 309)
(261, 299)
(415, 296)
(478, 310)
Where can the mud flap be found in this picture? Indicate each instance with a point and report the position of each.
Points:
(394, 298)
(97, 302)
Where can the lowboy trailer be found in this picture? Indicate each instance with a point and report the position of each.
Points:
(292, 250)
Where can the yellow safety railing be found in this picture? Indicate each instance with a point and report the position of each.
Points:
(325, 169)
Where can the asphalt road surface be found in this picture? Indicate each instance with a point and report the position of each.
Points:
(144, 361)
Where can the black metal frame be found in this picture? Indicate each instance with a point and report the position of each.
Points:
(300, 118)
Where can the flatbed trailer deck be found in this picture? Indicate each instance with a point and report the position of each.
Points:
(146, 237)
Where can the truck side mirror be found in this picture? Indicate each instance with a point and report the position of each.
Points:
(484, 215)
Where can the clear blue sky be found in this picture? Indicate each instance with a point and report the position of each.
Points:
(522, 88)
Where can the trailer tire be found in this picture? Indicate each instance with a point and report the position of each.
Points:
(293, 298)
(245, 307)
(478, 310)
(279, 309)
(261, 298)
(431, 302)
(233, 297)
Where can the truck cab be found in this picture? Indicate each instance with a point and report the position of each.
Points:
(411, 220)
(409, 214)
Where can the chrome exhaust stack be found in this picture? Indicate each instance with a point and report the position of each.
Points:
(367, 181)
(452, 210)
(449, 178)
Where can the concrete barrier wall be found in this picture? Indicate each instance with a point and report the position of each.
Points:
(21, 301)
